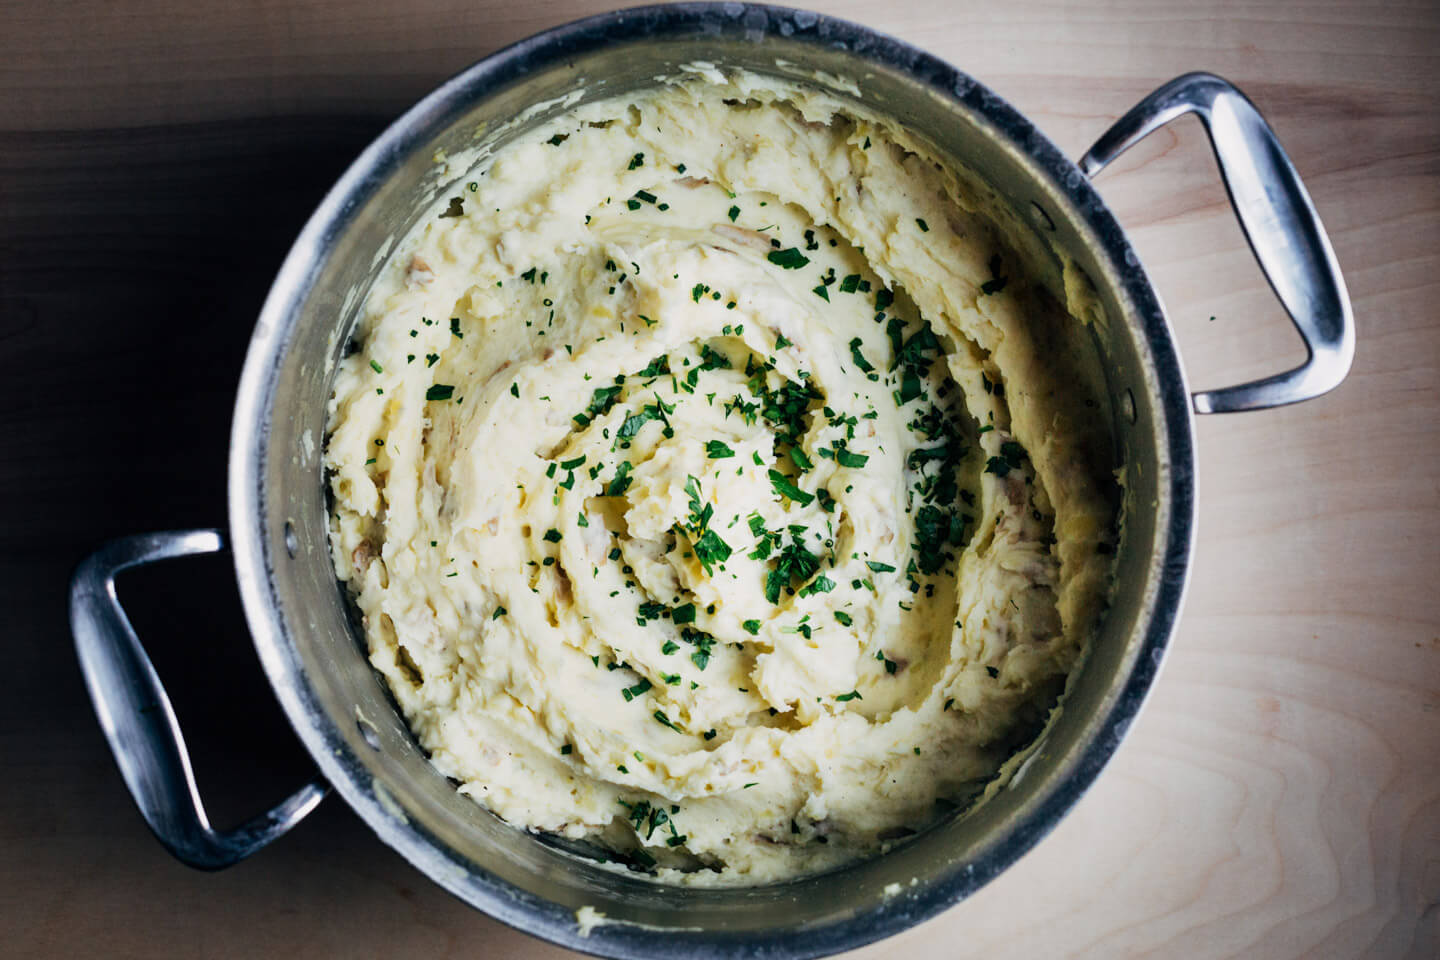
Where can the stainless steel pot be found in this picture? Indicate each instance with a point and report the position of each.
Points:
(340, 708)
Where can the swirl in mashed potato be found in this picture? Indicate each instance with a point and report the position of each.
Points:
(716, 482)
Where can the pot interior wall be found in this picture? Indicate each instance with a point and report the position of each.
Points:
(385, 774)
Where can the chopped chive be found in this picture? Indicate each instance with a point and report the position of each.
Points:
(660, 717)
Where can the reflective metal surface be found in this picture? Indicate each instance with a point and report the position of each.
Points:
(341, 709)
(295, 608)
(1279, 221)
(136, 716)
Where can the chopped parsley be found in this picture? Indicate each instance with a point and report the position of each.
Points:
(859, 358)
(633, 423)
(1011, 455)
(794, 564)
(711, 550)
(600, 403)
(439, 391)
(789, 258)
(657, 367)
(622, 480)
(996, 283)
(821, 584)
(717, 450)
(786, 489)
(630, 693)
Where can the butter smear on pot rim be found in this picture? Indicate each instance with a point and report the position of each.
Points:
(719, 482)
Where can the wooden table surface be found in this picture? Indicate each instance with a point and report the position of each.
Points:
(1280, 795)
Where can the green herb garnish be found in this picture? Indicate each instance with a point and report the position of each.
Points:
(630, 693)
(622, 480)
(660, 717)
(786, 489)
(789, 258)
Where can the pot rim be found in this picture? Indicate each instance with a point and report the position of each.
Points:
(255, 570)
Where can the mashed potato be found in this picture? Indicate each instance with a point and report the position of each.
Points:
(717, 483)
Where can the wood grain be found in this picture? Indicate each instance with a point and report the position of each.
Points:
(1279, 797)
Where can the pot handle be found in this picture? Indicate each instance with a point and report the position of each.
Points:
(137, 718)
(1279, 221)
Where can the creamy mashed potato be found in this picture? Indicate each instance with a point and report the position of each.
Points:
(718, 483)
